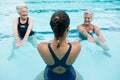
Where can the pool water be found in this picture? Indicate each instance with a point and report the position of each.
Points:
(92, 63)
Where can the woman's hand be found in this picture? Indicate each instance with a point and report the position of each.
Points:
(20, 43)
(101, 39)
(90, 38)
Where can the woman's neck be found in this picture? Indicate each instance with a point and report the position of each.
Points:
(86, 25)
(23, 20)
(62, 41)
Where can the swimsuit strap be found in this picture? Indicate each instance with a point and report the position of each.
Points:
(24, 23)
(27, 20)
(93, 28)
(52, 53)
(58, 62)
(18, 20)
(67, 54)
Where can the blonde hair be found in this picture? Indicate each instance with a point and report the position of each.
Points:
(89, 12)
(18, 7)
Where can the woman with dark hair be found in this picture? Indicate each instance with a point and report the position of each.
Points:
(59, 54)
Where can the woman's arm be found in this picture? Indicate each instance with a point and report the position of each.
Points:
(99, 34)
(31, 22)
(85, 33)
(15, 30)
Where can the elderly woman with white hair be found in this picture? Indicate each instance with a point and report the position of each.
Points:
(86, 31)
(22, 28)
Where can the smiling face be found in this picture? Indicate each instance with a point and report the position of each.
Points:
(87, 18)
(23, 12)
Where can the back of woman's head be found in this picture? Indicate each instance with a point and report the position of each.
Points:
(59, 23)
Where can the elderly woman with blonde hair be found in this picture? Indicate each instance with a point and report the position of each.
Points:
(22, 28)
(86, 31)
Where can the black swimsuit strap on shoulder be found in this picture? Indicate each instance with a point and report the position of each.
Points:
(25, 22)
(58, 62)
(93, 28)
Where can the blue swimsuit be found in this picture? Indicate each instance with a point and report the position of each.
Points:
(83, 37)
(22, 28)
(68, 75)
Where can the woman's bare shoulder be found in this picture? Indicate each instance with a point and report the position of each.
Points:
(80, 26)
(15, 19)
(42, 45)
(76, 45)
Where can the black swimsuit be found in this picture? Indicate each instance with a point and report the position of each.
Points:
(22, 28)
(68, 75)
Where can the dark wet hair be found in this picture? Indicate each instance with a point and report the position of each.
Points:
(59, 23)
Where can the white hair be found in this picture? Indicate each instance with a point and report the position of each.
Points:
(89, 12)
(18, 7)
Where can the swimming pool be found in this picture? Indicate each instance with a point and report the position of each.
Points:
(92, 63)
